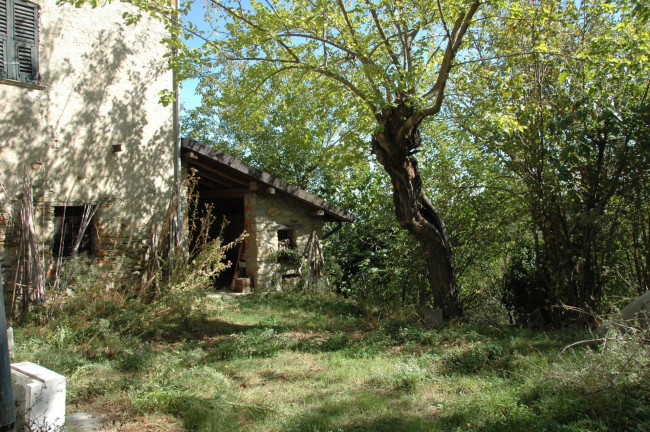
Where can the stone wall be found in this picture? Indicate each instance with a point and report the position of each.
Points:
(116, 253)
(264, 216)
(99, 88)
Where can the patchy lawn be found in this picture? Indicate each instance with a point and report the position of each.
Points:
(316, 363)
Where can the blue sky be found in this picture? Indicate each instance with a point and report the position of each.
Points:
(189, 99)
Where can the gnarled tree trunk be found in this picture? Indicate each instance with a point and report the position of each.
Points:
(413, 209)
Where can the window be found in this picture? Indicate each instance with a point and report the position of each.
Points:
(73, 226)
(286, 239)
(19, 41)
(287, 247)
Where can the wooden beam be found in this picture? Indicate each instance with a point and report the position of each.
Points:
(225, 193)
(204, 168)
(270, 191)
(317, 214)
(205, 179)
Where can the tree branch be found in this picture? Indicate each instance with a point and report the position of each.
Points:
(316, 69)
(349, 85)
(402, 35)
(347, 21)
(410, 36)
(442, 18)
(248, 22)
(380, 30)
(363, 59)
(460, 28)
(334, 44)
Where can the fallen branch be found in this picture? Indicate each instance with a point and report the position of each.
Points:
(583, 342)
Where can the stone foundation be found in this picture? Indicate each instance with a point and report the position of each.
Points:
(115, 248)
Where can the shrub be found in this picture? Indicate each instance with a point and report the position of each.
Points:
(523, 294)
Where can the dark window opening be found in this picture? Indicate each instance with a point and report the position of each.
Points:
(287, 247)
(69, 222)
(286, 239)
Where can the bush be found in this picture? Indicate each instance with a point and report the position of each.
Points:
(523, 294)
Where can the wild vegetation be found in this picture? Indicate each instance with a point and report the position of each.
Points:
(296, 362)
(538, 159)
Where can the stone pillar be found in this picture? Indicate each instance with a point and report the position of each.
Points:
(251, 242)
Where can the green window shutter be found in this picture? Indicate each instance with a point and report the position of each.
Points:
(3, 38)
(26, 41)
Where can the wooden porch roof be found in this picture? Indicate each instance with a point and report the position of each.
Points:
(229, 175)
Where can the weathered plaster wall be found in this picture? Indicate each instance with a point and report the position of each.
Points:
(264, 216)
(99, 87)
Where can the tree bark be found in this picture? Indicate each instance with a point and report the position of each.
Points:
(413, 209)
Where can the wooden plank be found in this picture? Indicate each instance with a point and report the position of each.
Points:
(235, 274)
(206, 171)
(205, 179)
(204, 165)
(225, 193)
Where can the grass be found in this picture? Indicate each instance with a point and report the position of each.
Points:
(316, 363)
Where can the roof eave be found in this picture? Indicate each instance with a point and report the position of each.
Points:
(332, 212)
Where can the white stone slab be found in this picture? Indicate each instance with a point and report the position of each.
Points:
(40, 394)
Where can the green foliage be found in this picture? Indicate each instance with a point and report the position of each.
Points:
(401, 377)
(560, 106)
(543, 142)
(288, 256)
(289, 362)
(185, 294)
(474, 358)
(250, 344)
(379, 263)
(485, 215)
(252, 124)
(178, 395)
(316, 79)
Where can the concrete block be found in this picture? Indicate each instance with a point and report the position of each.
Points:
(40, 396)
(82, 422)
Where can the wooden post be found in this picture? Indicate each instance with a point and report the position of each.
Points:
(7, 411)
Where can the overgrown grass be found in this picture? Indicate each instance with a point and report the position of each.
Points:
(286, 362)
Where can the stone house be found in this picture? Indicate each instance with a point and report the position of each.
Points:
(82, 130)
(278, 217)
(81, 122)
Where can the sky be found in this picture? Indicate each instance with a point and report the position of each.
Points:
(189, 98)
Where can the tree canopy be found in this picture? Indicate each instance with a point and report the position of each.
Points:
(385, 64)
(538, 151)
